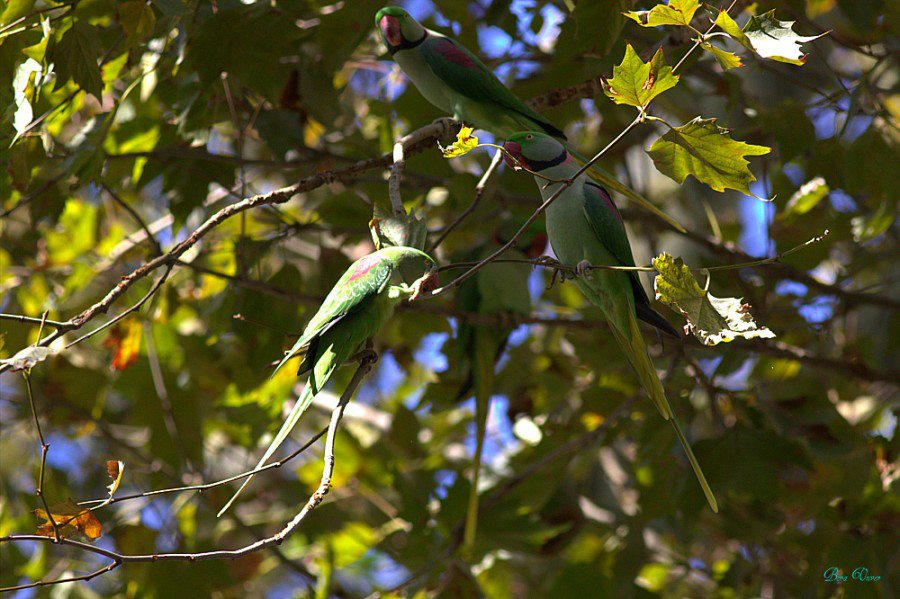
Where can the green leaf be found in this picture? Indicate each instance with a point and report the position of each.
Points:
(703, 149)
(774, 39)
(711, 319)
(76, 58)
(806, 198)
(728, 25)
(137, 19)
(635, 82)
(866, 227)
(676, 12)
(727, 60)
(387, 230)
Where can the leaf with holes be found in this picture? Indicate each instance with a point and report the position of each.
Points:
(703, 149)
(710, 319)
(635, 82)
(465, 143)
(676, 12)
(70, 519)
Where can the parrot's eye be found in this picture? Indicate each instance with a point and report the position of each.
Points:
(529, 136)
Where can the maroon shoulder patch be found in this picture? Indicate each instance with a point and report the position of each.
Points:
(453, 53)
(363, 266)
(604, 196)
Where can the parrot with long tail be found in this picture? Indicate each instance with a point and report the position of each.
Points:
(500, 290)
(585, 228)
(358, 305)
(453, 79)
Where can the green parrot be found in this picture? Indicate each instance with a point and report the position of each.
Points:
(359, 304)
(498, 290)
(457, 82)
(584, 227)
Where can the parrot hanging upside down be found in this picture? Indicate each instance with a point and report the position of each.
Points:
(585, 228)
(359, 304)
(457, 82)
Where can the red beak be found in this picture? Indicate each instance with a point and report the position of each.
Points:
(390, 28)
(513, 150)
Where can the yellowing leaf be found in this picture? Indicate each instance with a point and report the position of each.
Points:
(703, 149)
(635, 82)
(676, 12)
(727, 60)
(70, 519)
(125, 339)
(114, 469)
(710, 319)
(465, 143)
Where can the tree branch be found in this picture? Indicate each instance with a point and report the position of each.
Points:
(367, 361)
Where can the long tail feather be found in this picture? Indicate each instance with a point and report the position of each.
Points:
(612, 184)
(299, 408)
(633, 345)
(483, 379)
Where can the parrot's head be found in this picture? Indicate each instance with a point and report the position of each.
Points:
(398, 28)
(416, 268)
(534, 151)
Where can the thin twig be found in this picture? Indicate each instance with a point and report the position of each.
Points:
(45, 448)
(515, 238)
(118, 559)
(206, 486)
(119, 317)
(151, 239)
(479, 191)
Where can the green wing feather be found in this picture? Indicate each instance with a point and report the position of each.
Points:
(476, 82)
(351, 295)
(346, 297)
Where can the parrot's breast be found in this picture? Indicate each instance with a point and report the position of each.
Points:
(429, 85)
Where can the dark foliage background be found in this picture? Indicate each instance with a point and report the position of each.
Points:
(199, 104)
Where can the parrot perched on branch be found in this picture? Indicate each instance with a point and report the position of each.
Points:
(500, 290)
(585, 228)
(457, 82)
(359, 304)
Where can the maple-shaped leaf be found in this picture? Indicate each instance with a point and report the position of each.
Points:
(70, 519)
(388, 229)
(635, 82)
(767, 36)
(76, 56)
(465, 143)
(710, 319)
(676, 12)
(125, 339)
(703, 149)
(727, 60)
